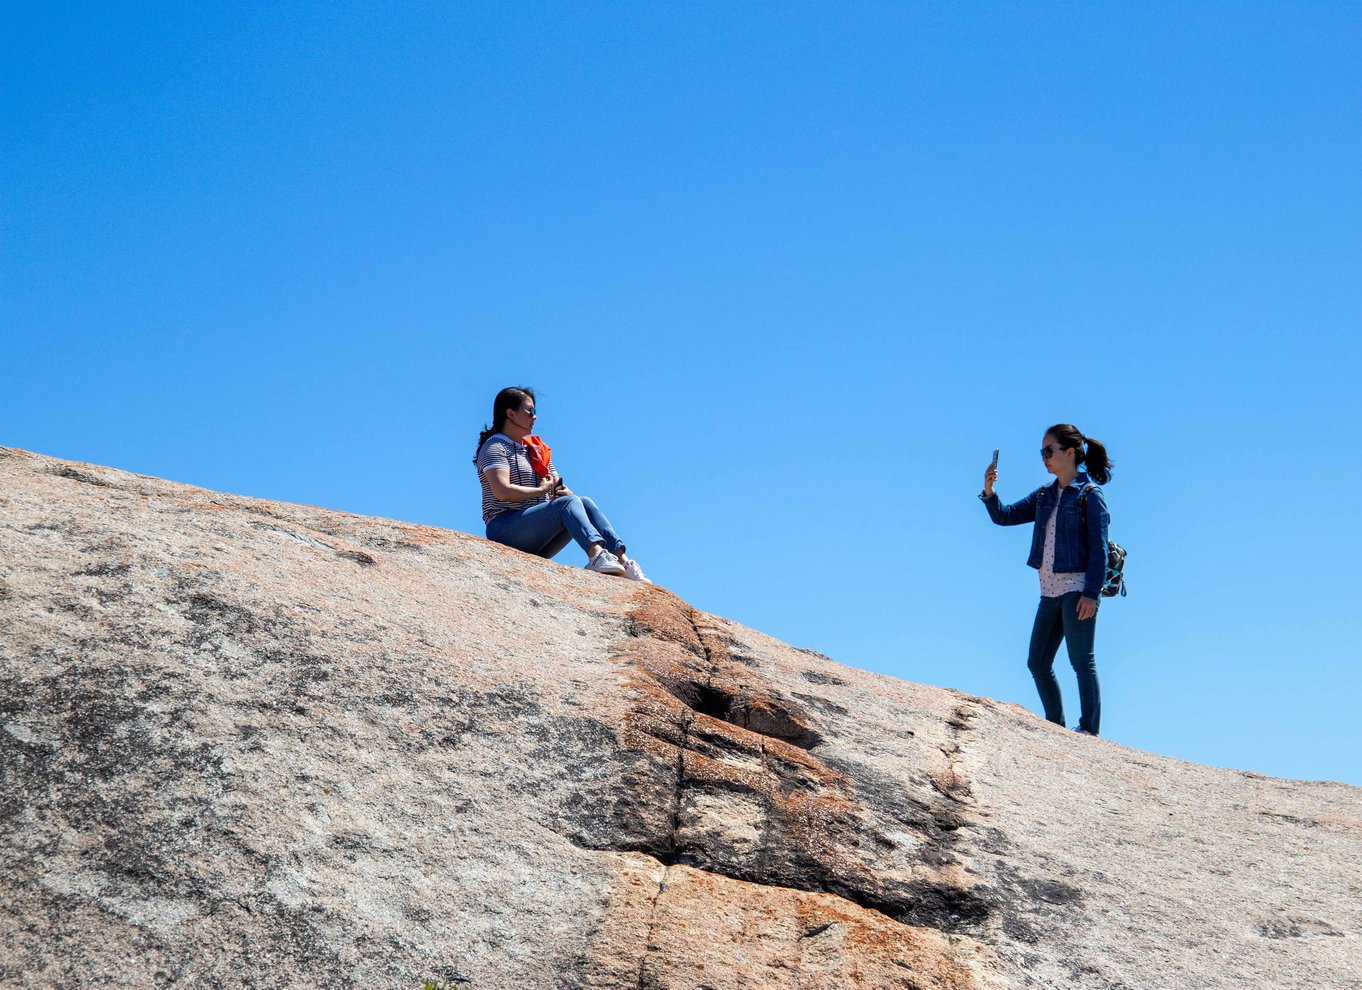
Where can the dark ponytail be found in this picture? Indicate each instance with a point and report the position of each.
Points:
(506, 400)
(1094, 456)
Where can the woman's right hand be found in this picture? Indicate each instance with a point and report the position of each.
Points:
(990, 476)
(546, 486)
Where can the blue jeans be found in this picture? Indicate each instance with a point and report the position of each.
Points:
(1056, 619)
(545, 528)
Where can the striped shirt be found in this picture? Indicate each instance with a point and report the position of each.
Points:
(500, 451)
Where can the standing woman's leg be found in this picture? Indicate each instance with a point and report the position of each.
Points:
(1045, 636)
(1079, 637)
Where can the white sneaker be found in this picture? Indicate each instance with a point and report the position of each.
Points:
(605, 562)
(632, 571)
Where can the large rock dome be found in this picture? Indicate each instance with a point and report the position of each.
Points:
(252, 744)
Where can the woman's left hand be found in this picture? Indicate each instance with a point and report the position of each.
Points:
(1087, 608)
(562, 489)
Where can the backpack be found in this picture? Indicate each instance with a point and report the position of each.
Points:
(1115, 584)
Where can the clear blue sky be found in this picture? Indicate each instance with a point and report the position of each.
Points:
(784, 276)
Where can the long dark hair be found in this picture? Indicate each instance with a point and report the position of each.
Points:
(506, 400)
(1087, 451)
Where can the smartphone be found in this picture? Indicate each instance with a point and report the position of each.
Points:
(994, 465)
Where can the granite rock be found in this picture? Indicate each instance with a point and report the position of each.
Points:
(252, 744)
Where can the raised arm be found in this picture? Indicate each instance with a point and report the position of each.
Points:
(1011, 515)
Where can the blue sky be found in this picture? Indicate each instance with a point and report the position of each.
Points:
(783, 275)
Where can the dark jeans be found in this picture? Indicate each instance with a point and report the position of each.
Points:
(1056, 619)
(546, 527)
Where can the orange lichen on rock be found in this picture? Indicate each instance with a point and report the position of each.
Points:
(664, 616)
(715, 931)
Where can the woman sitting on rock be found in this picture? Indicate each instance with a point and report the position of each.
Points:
(533, 511)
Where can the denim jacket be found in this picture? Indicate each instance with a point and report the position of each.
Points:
(1076, 550)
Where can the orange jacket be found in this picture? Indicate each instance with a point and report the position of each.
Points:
(539, 455)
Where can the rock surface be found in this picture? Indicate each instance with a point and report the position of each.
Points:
(245, 743)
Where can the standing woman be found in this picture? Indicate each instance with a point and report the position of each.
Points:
(539, 515)
(1069, 548)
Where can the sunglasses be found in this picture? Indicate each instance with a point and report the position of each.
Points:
(529, 412)
(1047, 451)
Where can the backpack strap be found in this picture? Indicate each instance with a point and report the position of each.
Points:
(1083, 503)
